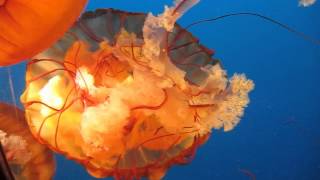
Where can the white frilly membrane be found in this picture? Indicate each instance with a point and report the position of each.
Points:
(228, 97)
(15, 148)
(306, 3)
(149, 85)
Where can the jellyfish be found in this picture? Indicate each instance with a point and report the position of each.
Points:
(129, 95)
(306, 3)
(29, 27)
(27, 159)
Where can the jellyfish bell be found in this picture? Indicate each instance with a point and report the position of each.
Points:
(26, 157)
(129, 94)
(29, 27)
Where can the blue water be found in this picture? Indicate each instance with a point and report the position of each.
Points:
(278, 138)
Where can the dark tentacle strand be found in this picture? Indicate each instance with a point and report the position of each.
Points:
(284, 26)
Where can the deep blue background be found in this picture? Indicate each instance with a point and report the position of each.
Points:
(279, 136)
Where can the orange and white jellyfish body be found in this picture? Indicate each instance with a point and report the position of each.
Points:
(26, 157)
(28, 27)
(128, 94)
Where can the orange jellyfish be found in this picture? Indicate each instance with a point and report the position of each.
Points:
(26, 157)
(128, 94)
(28, 27)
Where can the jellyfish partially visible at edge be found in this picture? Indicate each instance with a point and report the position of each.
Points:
(28, 27)
(128, 94)
(306, 3)
(26, 157)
